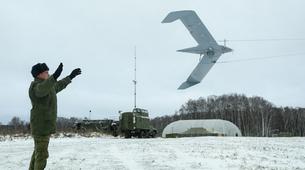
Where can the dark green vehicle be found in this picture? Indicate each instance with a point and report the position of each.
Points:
(130, 124)
(107, 126)
(136, 124)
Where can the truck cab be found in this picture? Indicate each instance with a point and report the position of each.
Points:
(136, 124)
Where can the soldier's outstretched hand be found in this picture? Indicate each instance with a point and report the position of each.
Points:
(75, 73)
(58, 71)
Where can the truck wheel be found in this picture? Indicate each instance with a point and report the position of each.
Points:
(146, 134)
(115, 134)
(141, 134)
(127, 135)
(153, 134)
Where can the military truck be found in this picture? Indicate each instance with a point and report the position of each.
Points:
(107, 126)
(136, 124)
(130, 124)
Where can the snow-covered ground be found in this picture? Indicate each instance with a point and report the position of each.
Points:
(108, 153)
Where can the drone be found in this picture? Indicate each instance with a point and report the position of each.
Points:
(207, 47)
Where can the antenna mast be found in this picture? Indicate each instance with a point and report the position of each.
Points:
(135, 77)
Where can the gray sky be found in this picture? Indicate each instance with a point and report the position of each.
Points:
(99, 36)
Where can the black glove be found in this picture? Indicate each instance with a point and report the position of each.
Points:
(58, 71)
(75, 73)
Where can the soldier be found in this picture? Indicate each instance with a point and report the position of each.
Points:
(42, 93)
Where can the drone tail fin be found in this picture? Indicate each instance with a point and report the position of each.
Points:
(194, 50)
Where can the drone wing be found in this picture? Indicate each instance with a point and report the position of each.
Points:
(207, 46)
(200, 71)
(195, 26)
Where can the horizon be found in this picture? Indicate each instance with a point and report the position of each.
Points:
(116, 118)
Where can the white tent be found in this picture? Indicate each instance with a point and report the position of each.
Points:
(215, 126)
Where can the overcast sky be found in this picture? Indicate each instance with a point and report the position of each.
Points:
(99, 36)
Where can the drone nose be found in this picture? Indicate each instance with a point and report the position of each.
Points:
(226, 49)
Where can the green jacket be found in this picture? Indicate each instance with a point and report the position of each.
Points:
(44, 104)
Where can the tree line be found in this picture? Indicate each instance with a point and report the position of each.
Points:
(254, 116)
(18, 126)
(15, 126)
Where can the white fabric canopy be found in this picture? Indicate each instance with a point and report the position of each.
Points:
(212, 125)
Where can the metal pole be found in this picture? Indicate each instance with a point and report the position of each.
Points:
(135, 77)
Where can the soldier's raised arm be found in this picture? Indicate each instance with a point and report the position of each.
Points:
(62, 84)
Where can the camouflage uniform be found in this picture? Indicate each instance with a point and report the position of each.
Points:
(43, 116)
(40, 154)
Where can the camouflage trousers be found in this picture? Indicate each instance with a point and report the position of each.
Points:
(40, 154)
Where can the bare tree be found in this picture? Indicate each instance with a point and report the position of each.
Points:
(16, 122)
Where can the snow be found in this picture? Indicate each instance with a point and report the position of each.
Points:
(107, 153)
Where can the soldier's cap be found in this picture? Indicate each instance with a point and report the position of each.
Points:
(39, 68)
